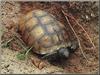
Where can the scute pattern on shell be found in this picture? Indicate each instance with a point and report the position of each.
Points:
(41, 30)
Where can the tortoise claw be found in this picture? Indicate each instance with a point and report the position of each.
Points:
(38, 62)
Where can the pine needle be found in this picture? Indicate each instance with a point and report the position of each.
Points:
(77, 39)
(81, 27)
(6, 43)
(19, 41)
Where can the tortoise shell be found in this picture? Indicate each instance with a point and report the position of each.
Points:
(41, 30)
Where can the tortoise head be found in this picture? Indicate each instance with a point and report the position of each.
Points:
(66, 51)
(62, 53)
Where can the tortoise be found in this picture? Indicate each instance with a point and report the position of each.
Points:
(48, 36)
(45, 34)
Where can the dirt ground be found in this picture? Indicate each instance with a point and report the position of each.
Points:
(86, 13)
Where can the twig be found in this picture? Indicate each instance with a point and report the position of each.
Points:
(80, 26)
(19, 42)
(6, 43)
(77, 39)
(18, 37)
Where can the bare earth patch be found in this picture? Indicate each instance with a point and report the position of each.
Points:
(87, 17)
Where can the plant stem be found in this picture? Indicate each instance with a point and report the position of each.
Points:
(28, 50)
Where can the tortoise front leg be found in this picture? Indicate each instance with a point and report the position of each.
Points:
(38, 62)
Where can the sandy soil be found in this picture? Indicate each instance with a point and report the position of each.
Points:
(76, 64)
